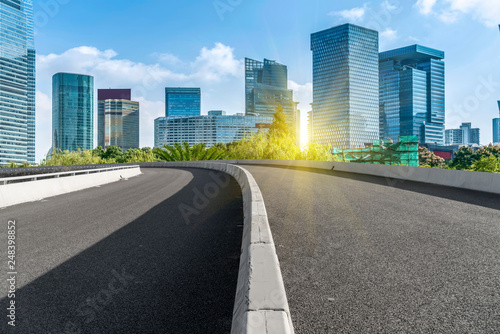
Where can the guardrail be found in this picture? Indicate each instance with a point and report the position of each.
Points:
(19, 179)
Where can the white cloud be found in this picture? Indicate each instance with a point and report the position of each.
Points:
(389, 34)
(354, 15)
(389, 6)
(426, 6)
(449, 11)
(43, 140)
(213, 64)
(167, 58)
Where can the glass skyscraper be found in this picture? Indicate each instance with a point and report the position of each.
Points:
(207, 129)
(266, 88)
(17, 82)
(117, 119)
(182, 102)
(496, 128)
(345, 86)
(412, 94)
(72, 112)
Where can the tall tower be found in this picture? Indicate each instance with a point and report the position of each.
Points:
(412, 97)
(496, 128)
(266, 88)
(72, 112)
(345, 86)
(117, 119)
(182, 102)
(17, 87)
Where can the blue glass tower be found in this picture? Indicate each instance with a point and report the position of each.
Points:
(345, 86)
(412, 94)
(72, 112)
(496, 128)
(17, 82)
(182, 102)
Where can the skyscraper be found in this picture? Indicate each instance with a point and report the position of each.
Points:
(412, 95)
(72, 112)
(496, 128)
(266, 88)
(465, 135)
(117, 119)
(17, 82)
(345, 86)
(182, 102)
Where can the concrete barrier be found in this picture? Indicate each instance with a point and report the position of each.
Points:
(29, 191)
(486, 182)
(260, 304)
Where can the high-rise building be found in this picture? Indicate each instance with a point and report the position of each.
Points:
(207, 129)
(266, 88)
(216, 113)
(412, 94)
(465, 135)
(17, 82)
(496, 128)
(182, 102)
(72, 112)
(345, 86)
(309, 126)
(117, 119)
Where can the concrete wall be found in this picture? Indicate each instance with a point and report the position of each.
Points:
(260, 305)
(487, 182)
(17, 193)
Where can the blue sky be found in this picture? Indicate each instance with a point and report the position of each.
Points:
(150, 44)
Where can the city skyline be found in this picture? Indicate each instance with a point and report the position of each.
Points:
(214, 59)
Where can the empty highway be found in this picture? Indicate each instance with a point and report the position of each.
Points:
(127, 257)
(362, 254)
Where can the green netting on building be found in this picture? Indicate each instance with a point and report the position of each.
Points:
(385, 152)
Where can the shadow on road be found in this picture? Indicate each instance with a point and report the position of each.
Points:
(155, 275)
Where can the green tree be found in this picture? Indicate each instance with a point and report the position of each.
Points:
(184, 152)
(428, 158)
(112, 153)
(464, 158)
(489, 164)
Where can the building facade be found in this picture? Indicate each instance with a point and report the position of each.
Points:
(17, 82)
(182, 102)
(117, 119)
(207, 129)
(345, 86)
(72, 112)
(465, 135)
(412, 94)
(496, 128)
(266, 88)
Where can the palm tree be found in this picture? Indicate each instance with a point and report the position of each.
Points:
(184, 152)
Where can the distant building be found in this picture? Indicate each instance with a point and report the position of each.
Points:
(266, 88)
(182, 102)
(465, 135)
(117, 119)
(345, 86)
(496, 128)
(216, 113)
(72, 112)
(309, 126)
(447, 152)
(412, 96)
(207, 129)
(17, 82)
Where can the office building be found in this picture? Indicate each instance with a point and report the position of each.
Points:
(117, 119)
(345, 86)
(496, 128)
(266, 88)
(309, 127)
(17, 82)
(465, 135)
(182, 102)
(412, 94)
(207, 129)
(216, 113)
(72, 112)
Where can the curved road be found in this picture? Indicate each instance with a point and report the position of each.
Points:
(362, 254)
(122, 258)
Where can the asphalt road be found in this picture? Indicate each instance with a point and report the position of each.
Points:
(362, 254)
(122, 258)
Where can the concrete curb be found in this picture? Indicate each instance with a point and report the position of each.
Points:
(260, 305)
(478, 181)
(17, 193)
